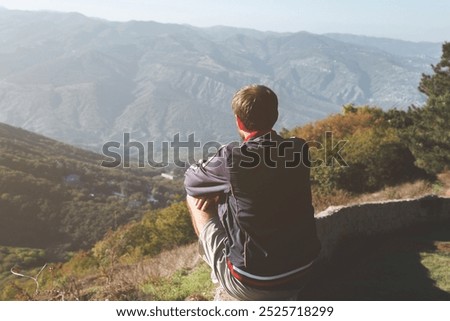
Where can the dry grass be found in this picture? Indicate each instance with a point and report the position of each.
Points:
(165, 264)
(123, 282)
(128, 281)
(444, 178)
(404, 191)
(323, 201)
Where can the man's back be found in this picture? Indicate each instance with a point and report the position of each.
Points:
(269, 206)
(266, 205)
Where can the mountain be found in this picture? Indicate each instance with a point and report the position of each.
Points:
(87, 81)
(393, 46)
(55, 196)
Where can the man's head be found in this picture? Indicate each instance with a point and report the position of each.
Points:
(256, 107)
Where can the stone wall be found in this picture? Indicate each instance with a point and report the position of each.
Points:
(338, 223)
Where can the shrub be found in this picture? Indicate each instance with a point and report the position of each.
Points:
(375, 152)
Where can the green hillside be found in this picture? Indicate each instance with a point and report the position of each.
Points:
(57, 197)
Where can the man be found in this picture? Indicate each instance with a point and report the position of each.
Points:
(251, 206)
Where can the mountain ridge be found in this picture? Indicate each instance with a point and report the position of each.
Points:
(86, 81)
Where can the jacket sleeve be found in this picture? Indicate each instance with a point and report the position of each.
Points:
(208, 177)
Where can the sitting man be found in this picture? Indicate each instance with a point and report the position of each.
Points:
(251, 206)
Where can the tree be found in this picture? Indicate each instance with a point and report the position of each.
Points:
(429, 137)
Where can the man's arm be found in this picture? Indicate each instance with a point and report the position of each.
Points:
(204, 183)
(207, 180)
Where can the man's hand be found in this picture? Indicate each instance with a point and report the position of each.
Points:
(203, 203)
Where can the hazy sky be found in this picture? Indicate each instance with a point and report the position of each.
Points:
(417, 20)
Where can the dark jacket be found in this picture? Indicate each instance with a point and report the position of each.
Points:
(265, 205)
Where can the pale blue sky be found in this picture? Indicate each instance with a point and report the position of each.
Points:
(416, 20)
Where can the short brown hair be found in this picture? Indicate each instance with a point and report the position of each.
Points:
(256, 106)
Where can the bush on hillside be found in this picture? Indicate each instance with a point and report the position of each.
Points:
(374, 154)
(158, 230)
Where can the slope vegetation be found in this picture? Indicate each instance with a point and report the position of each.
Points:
(59, 197)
